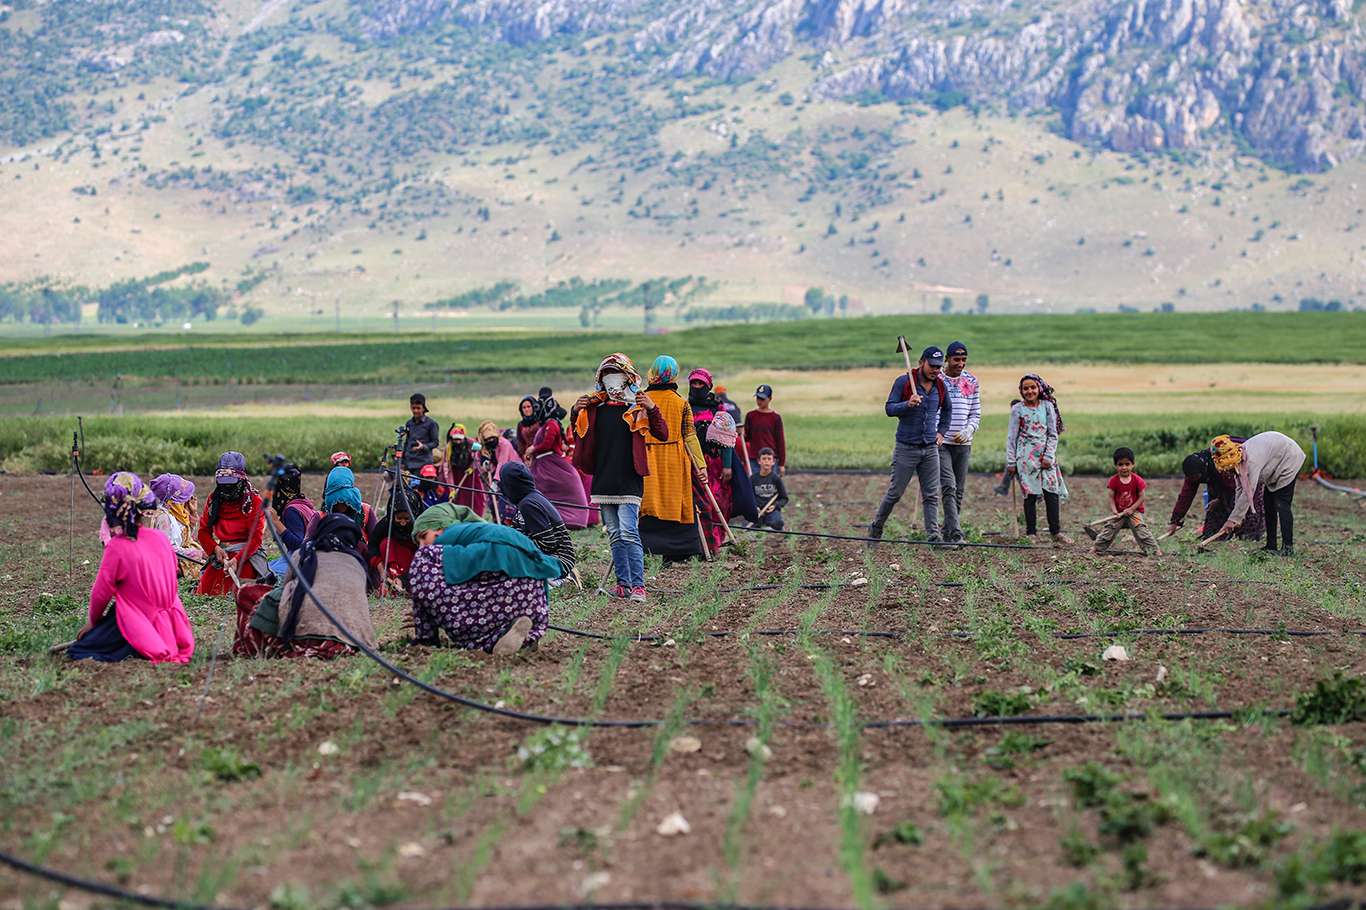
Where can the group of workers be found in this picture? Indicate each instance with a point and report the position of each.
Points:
(475, 530)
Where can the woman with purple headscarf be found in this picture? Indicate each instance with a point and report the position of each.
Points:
(138, 575)
(177, 518)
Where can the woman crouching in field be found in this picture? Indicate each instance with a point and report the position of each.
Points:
(137, 573)
(484, 584)
(1032, 455)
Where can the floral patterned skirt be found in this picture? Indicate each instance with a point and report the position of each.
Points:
(474, 614)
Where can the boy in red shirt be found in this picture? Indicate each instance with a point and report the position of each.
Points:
(1126, 500)
(763, 429)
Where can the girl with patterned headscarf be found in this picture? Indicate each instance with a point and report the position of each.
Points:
(1032, 455)
(459, 469)
(138, 576)
(232, 527)
(177, 518)
(668, 517)
(718, 449)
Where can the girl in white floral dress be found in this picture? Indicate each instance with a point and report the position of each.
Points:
(1032, 455)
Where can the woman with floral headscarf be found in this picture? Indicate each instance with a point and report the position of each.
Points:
(1270, 461)
(177, 516)
(459, 469)
(231, 528)
(718, 449)
(668, 519)
(138, 574)
(555, 474)
(1032, 455)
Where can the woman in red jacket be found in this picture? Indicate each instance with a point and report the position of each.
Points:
(232, 526)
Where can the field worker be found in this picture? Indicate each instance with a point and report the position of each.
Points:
(718, 449)
(138, 574)
(537, 517)
(668, 517)
(769, 492)
(459, 469)
(497, 451)
(340, 494)
(729, 406)
(920, 403)
(289, 513)
(612, 427)
(965, 401)
(529, 421)
(177, 516)
(1270, 460)
(1127, 506)
(1221, 488)
(231, 528)
(484, 584)
(427, 488)
(284, 622)
(556, 476)
(424, 435)
(340, 460)
(391, 545)
(763, 429)
(1032, 455)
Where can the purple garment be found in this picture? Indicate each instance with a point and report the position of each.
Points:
(477, 613)
(172, 488)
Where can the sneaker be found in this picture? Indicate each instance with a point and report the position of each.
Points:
(638, 594)
(1287, 551)
(1061, 540)
(935, 541)
(620, 592)
(513, 638)
(958, 537)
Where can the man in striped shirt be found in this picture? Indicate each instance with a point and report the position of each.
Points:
(965, 401)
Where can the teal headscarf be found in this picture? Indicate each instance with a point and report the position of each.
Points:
(472, 547)
(664, 369)
(341, 487)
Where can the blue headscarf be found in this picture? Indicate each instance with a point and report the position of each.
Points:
(341, 487)
(663, 370)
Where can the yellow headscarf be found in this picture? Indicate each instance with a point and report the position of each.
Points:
(1227, 453)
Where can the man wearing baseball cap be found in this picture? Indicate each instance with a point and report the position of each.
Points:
(919, 402)
(965, 402)
(424, 435)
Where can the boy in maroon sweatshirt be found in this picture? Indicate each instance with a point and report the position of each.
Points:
(764, 430)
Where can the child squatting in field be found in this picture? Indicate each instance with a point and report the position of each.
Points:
(1127, 507)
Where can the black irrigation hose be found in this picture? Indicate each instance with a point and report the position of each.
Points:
(91, 886)
(960, 635)
(923, 543)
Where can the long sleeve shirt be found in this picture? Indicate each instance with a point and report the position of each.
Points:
(766, 486)
(965, 400)
(139, 575)
(427, 432)
(1271, 459)
(918, 424)
(764, 430)
(1033, 433)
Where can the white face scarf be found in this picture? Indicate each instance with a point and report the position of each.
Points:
(617, 386)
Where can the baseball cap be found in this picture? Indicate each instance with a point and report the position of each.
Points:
(957, 347)
(764, 391)
(933, 355)
(340, 458)
(427, 470)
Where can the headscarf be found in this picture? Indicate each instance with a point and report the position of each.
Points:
(551, 410)
(441, 516)
(700, 398)
(722, 430)
(405, 502)
(519, 486)
(535, 416)
(459, 450)
(341, 488)
(288, 487)
(231, 474)
(545, 393)
(1045, 394)
(663, 371)
(172, 488)
(635, 416)
(487, 429)
(1227, 453)
(126, 497)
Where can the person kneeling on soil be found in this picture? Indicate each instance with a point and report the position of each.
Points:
(1269, 460)
(391, 542)
(1127, 505)
(484, 584)
(536, 517)
(769, 491)
(138, 574)
(285, 622)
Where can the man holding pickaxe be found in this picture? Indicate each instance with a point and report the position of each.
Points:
(919, 401)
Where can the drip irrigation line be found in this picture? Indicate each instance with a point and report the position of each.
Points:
(104, 889)
(923, 543)
(958, 635)
(951, 723)
(1338, 487)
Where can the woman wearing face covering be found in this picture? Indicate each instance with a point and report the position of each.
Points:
(497, 450)
(459, 469)
(706, 410)
(232, 526)
(555, 475)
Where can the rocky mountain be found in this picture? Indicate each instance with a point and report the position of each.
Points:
(1283, 79)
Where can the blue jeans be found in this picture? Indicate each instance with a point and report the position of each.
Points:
(623, 531)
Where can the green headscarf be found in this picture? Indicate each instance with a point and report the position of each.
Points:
(442, 516)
